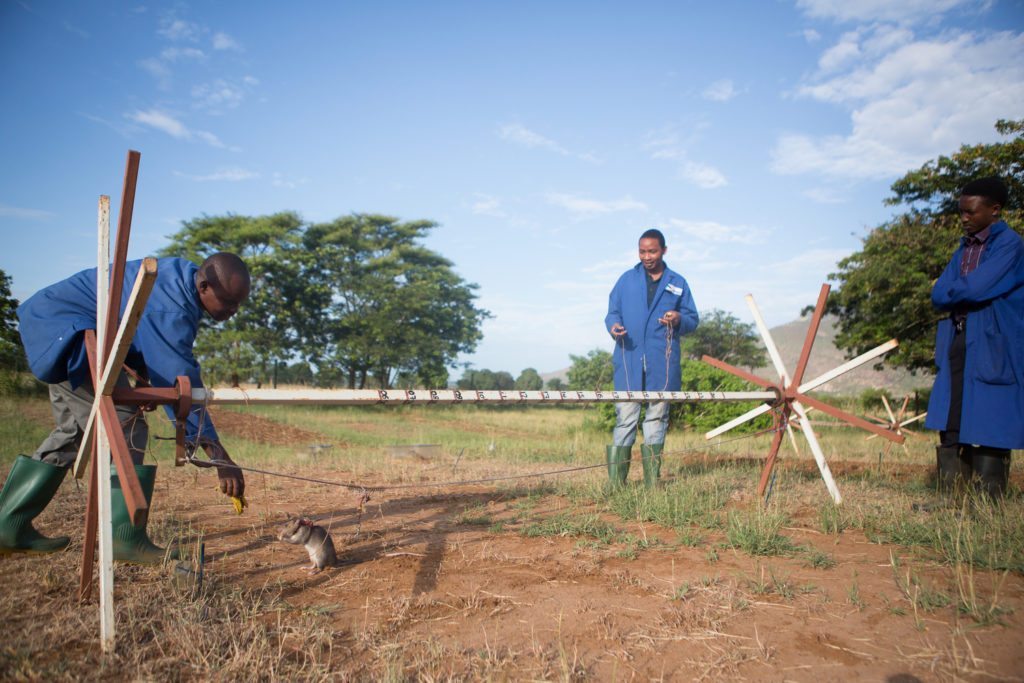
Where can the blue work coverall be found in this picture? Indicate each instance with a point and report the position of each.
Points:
(993, 296)
(645, 358)
(52, 323)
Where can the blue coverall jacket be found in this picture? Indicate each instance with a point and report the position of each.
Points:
(644, 348)
(993, 295)
(52, 323)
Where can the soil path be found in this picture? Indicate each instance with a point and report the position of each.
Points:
(450, 584)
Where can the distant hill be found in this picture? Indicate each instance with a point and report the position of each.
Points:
(825, 356)
(789, 338)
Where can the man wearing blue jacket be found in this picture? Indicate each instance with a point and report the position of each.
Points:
(52, 324)
(977, 401)
(649, 308)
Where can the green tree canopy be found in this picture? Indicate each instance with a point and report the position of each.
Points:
(485, 379)
(556, 384)
(591, 372)
(379, 303)
(721, 335)
(359, 299)
(885, 288)
(261, 335)
(11, 353)
(529, 380)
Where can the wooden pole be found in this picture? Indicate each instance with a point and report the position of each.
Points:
(102, 463)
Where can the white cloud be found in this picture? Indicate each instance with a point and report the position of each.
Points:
(487, 205)
(174, 54)
(702, 175)
(166, 123)
(222, 41)
(281, 180)
(903, 11)
(811, 36)
(162, 122)
(813, 261)
(178, 29)
(217, 96)
(670, 145)
(521, 135)
(158, 70)
(906, 102)
(24, 214)
(844, 52)
(232, 175)
(209, 138)
(710, 231)
(583, 207)
(720, 91)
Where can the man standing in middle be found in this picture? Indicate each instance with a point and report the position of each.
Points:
(649, 308)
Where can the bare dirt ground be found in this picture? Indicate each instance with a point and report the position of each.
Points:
(414, 578)
(443, 584)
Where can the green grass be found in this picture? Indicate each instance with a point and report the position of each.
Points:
(757, 531)
(574, 525)
(17, 434)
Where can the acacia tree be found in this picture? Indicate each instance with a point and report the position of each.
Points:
(379, 304)
(261, 336)
(885, 288)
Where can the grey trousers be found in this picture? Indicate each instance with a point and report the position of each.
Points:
(71, 408)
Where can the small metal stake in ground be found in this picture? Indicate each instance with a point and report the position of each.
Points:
(792, 397)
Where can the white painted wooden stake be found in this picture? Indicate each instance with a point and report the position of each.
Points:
(104, 528)
(819, 455)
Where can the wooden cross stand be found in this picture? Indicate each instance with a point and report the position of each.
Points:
(791, 394)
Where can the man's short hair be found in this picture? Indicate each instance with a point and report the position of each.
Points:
(991, 188)
(654, 233)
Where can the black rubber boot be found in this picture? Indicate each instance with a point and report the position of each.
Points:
(29, 488)
(617, 458)
(992, 470)
(953, 465)
(131, 543)
(651, 459)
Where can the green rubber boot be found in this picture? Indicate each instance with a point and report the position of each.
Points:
(131, 543)
(29, 488)
(651, 458)
(617, 458)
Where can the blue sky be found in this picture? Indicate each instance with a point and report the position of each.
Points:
(543, 137)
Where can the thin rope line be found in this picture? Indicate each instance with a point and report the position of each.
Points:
(464, 482)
